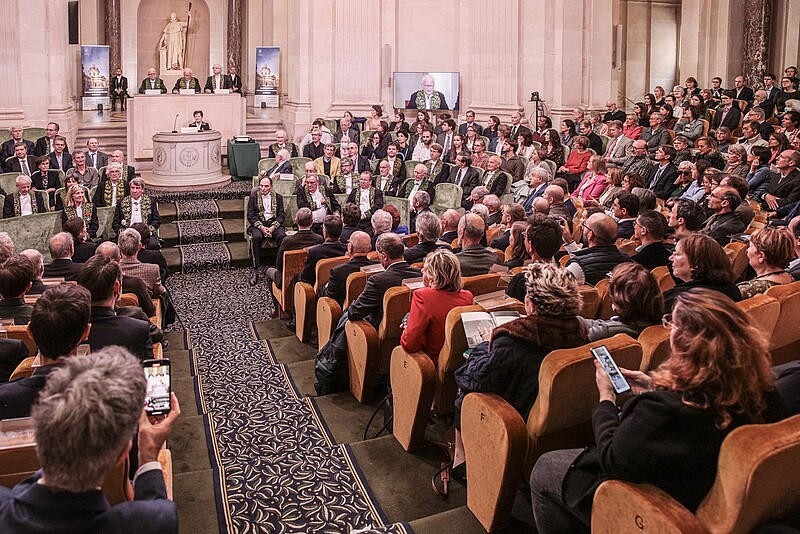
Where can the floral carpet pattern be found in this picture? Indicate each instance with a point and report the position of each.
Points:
(276, 469)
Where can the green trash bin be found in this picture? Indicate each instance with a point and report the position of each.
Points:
(243, 159)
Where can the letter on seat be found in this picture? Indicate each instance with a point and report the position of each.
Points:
(413, 379)
(785, 339)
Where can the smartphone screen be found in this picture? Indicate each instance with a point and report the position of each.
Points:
(157, 397)
(610, 366)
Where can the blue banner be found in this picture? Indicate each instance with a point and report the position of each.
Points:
(95, 70)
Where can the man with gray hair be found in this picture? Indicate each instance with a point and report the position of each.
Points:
(381, 223)
(23, 202)
(37, 260)
(449, 222)
(492, 203)
(7, 148)
(539, 179)
(358, 246)
(331, 361)
(62, 247)
(474, 258)
(282, 165)
(282, 144)
(428, 230)
(112, 188)
(138, 208)
(6, 246)
(83, 424)
(420, 203)
(130, 284)
(128, 172)
(129, 245)
(217, 80)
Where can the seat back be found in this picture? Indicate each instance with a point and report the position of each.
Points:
(604, 310)
(737, 253)
(664, 278)
(128, 299)
(410, 164)
(265, 164)
(785, 340)
(763, 312)
(293, 262)
(591, 301)
(492, 233)
(396, 304)
(20, 332)
(324, 268)
(655, 347)
(411, 240)
(448, 196)
(298, 165)
(561, 416)
(482, 283)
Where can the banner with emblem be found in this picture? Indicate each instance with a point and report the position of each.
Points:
(268, 70)
(96, 75)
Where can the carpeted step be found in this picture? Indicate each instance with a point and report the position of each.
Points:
(201, 209)
(178, 340)
(184, 388)
(179, 362)
(345, 418)
(187, 442)
(195, 501)
(462, 521)
(207, 257)
(401, 481)
(201, 231)
(301, 375)
(233, 190)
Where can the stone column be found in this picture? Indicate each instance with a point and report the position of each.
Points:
(113, 32)
(353, 61)
(11, 112)
(297, 110)
(756, 41)
(235, 34)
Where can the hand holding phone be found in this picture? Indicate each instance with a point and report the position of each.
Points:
(157, 400)
(611, 369)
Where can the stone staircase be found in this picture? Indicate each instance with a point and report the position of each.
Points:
(263, 130)
(111, 136)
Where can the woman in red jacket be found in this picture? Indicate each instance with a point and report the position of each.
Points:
(577, 162)
(430, 305)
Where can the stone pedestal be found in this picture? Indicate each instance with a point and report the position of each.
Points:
(187, 161)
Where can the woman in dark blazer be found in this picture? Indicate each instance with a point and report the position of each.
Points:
(45, 179)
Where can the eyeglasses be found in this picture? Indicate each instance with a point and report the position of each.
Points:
(684, 172)
(666, 320)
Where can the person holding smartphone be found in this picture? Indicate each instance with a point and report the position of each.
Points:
(669, 433)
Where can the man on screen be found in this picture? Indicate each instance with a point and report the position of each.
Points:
(427, 98)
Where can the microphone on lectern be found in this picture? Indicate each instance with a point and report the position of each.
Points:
(175, 124)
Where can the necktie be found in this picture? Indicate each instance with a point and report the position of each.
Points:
(25, 170)
(91, 157)
(514, 132)
(659, 172)
(460, 176)
(613, 147)
(447, 144)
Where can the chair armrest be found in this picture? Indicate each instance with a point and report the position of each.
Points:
(165, 459)
(304, 299)
(328, 314)
(363, 354)
(413, 379)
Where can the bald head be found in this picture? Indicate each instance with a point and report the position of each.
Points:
(107, 248)
(470, 229)
(541, 205)
(603, 230)
(360, 243)
(450, 220)
(553, 194)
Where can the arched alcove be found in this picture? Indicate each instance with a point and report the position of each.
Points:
(153, 16)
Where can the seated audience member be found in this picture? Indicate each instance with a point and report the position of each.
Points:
(83, 422)
(793, 231)
(594, 181)
(542, 240)
(589, 265)
(16, 274)
(614, 187)
(129, 246)
(655, 135)
(83, 249)
(769, 253)
(332, 247)
(77, 206)
(428, 229)
(449, 223)
(382, 222)
(303, 238)
(685, 217)
(331, 360)
(46, 180)
(358, 246)
(662, 177)
(62, 249)
(554, 195)
(516, 240)
(37, 261)
(474, 258)
(103, 278)
(136, 208)
(511, 213)
(507, 362)
(492, 203)
(443, 291)
(625, 208)
(682, 152)
(60, 158)
(112, 188)
(699, 261)
(668, 434)
(319, 199)
(650, 229)
(708, 151)
(59, 322)
(647, 199)
(690, 126)
(130, 284)
(476, 197)
(724, 223)
(6, 246)
(83, 173)
(636, 302)
(744, 212)
(759, 172)
(737, 161)
(638, 162)
(787, 382)
(577, 162)
(351, 220)
(784, 186)
(724, 137)
(366, 198)
(150, 256)
(23, 201)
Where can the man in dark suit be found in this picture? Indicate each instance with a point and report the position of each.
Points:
(724, 223)
(474, 258)
(438, 170)
(492, 202)
(94, 157)
(44, 145)
(7, 148)
(59, 322)
(368, 199)
(346, 130)
(12, 352)
(626, 209)
(360, 163)
(466, 176)
(428, 229)
(152, 82)
(59, 157)
(303, 238)
(595, 143)
(663, 176)
(187, 81)
(102, 276)
(650, 229)
(470, 117)
(517, 129)
(319, 199)
(119, 90)
(65, 495)
(427, 98)
(128, 172)
(494, 179)
(282, 143)
(138, 207)
(742, 92)
(236, 81)
(265, 215)
(316, 148)
(62, 248)
(282, 165)
(23, 201)
(784, 186)
(332, 247)
(537, 183)
(728, 114)
(16, 274)
(130, 283)
(358, 246)
(217, 80)
(449, 222)
(21, 162)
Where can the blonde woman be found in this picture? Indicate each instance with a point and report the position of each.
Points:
(78, 207)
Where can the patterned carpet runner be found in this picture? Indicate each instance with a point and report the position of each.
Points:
(200, 231)
(230, 191)
(275, 468)
(196, 209)
(205, 257)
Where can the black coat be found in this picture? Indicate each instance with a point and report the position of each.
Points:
(255, 215)
(328, 249)
(726, 288)
(468, 183)
(653, 255)
(62, 268)
(336, 288)
(665, 185)
(369, 305)
(296, 241)
(8, 205)
(7, 148)
(18, 397)
(110, 329)
(420, 250)
(12, 352)
(83, 251)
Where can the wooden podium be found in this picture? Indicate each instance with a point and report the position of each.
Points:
(187, 161)
(150, 114)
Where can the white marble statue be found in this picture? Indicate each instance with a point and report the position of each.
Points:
(171, 44)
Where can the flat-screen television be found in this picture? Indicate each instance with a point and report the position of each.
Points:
(426, 90)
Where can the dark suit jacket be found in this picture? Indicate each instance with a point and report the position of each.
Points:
(203, 126)
(236, 81)
(101, 160)
(62, 268)
(653, 255)
(745, 94)
(121, 84)
(146, 85)
(501, 242)
(369, 305)
(7, 148)
(15, 309)
(336, 288)
(274, 148)
(42, 147)
(666, 182)
(17, 397)
(99, 198)
(462, 128)
(110, 329)
(178, 85)
(494, 218)
(442, 172)
(8, 204)
(731, 119)
(34, 508)
(84, 251)
(66, 161)
(283, 167)
(500, 180)
(137, 286)
(155, 257)
(226, 82)
(722, 226)
(361, 165)
(418, 252)
(12, 165)
(625, 229)
(352, 134)
(787, 189)
(254, 213)
(376, 204)
(296, 241)
(476, 259)
(313, 152)
(328, 249)
(448, 237)
(412, 101)
(521, 129)
(470, 181)
(12, 352)
(595, 143)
